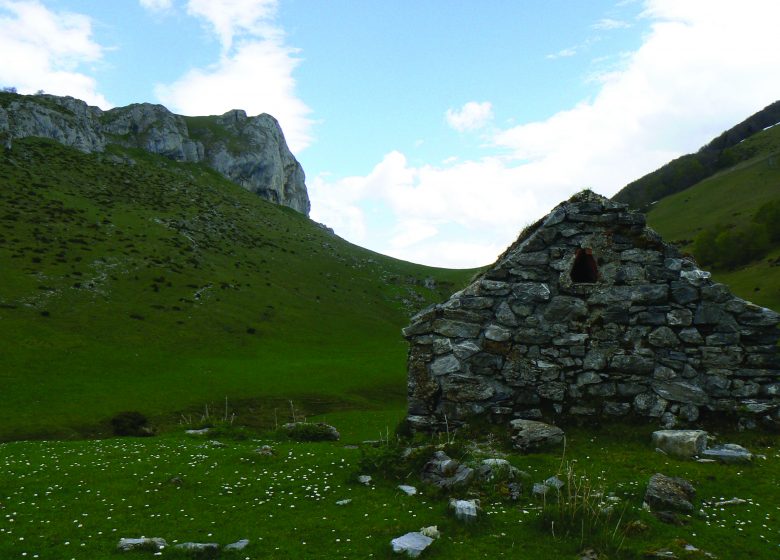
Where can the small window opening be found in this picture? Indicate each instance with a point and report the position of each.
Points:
(585, 270)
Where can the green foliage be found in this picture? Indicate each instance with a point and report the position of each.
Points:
(728, 248)
(768, 215)
(309, 431)
(130, 423)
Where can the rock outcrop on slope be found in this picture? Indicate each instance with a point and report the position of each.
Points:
(250, 151)
(590, 313)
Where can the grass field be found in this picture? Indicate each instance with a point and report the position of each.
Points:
(731, 197)
(76, 499)
(160, 287)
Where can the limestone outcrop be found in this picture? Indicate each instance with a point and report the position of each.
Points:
(250, 151)
(590, 313)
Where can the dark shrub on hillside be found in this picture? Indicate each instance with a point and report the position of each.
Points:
(131, 423)
(727, 248)
(308, 431)
(769, 216)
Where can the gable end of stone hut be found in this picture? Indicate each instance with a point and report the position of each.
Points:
(590, 314)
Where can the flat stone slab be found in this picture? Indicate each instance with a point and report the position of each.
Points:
(238, 545)
(144, 543)
(197, 546)
(412, 544)
(683, 444)
(408, 490)
(729, 453)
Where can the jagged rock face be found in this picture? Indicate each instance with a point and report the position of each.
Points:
(250, 151)
(589, 313)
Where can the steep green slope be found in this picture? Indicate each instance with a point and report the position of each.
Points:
(686, 171)
(731, 198)
(133, 282)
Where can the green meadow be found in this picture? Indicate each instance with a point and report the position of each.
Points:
(132, 282)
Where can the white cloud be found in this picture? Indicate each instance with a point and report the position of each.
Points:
(704, 65)
(44, 50)
(471, 116)
(563, 53)
(254, 71)
(156, 5)
(231, 18)
(606, 24)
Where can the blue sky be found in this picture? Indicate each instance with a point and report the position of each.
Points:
(431, 131)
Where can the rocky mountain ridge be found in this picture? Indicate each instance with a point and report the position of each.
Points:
(250, 151)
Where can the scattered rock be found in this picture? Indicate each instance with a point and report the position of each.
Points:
(731, 502)
(265, 450)
(238, 545)
(490, 469)
(412, 544)
(530, 435)
(408, 490)
(215, 443)
(684, 444)
(465, 510)
(364, 479)
(431, 531)
(666, 493)
(446, 473)
(541, 488)
(144, 543)
(343, 502)
(200, 432)
(729, 453)
(197, 546)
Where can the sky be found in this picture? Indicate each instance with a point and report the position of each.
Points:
(429, 131)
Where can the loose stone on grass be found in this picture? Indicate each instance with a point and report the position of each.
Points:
(729, 453)
(408, 490)
(412, 544)
(197, 546)
(465, 510)
(666, 493)
(145, 543)
(530, 434)
(238, 545)
(684, 444)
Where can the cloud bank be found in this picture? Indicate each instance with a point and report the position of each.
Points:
(44, 50)
(703, 66)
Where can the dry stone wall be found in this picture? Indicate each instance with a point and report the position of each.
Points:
(590, 313)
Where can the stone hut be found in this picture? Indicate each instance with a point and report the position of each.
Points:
(590, 314)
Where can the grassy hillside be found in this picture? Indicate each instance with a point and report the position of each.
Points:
(133, 282)
(731, 198)
(684, 172)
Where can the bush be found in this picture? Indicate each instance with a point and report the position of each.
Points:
(308, 431)
(729, 247)
(131, 423)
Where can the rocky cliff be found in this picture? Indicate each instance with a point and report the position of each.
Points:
(250, 151)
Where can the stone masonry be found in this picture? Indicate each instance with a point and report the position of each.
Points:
(590, 313)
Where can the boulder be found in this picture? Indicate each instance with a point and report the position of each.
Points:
(528, 435)
(683, 444)
(408, 490)
(412, 544)
(666, 493)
